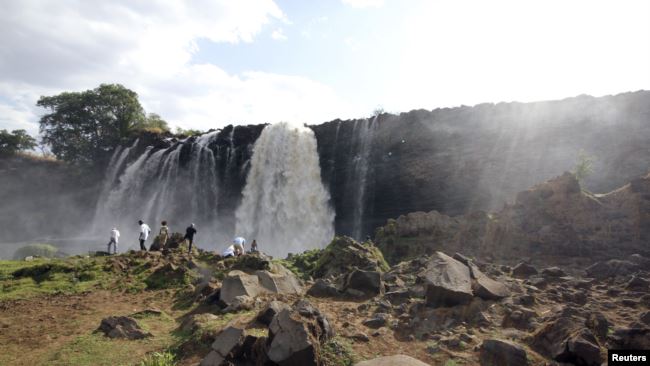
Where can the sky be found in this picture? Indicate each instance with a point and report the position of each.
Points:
(205, 64)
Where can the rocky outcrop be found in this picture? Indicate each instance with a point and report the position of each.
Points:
(238, 283)
(554, 217)
(344, 253)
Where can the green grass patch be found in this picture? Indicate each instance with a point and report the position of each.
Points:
(338, 352)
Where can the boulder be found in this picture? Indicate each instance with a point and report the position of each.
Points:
(637, 283)
(630, 338)
(238, 283)
(447, 281)
(322, 288)
(224, 346)
(485, 287)
(377, 321)
(368, 282)
(598, 324)
(197, 321)
(553, 272)
(497, 352)
(611, 268)
(270, 311)
(401, 360)
(122, 327)
(519, 318)
(344, 253)
(295, 338)
(239, 303)
(645, 318)
(523, 270)
(566, 340)
(279, 283)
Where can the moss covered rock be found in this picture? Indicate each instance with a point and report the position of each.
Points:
(344, 253)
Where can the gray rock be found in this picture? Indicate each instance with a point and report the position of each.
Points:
(122, 327)
(645, 318)
(368, 282)
(291, 342)
(553, 272)
(239, 303)
(279, 283)
(447, 281)
(272, 309)
(224, 346)
(238, 283)
(523, 270)
(485, 287)
(401, 360)
(378, 321)
(322, 288)
(497, 352)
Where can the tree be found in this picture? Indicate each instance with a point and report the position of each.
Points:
(15, 141)
(153, 122)
(584, 166)
(82, 126)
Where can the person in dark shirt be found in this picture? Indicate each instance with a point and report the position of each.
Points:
(189, 235)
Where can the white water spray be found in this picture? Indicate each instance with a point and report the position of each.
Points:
(285, 206)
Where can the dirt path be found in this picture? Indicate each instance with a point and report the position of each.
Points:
(32, 330)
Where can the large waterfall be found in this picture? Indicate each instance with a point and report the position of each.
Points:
(285, 206)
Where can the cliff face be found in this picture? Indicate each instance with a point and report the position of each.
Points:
(456, 160)
(554, 219)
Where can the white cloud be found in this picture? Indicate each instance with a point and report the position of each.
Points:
(51, 46)
(360, 4)
(278, 35)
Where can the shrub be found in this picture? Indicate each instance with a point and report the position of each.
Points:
(159, 359)
(40, 250)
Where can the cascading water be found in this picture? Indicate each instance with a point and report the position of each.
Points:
(285, 206)
(364, 131)
(157, 186)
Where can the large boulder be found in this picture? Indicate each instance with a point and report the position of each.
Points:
(485, 287)
(295, 335)
(323, 288)
(447, 281)
(266, 315)
(233, 346)
(523, 270)
(368, 282)
(238, 283)
(122, 327)
(279, 283)
(565, 339)
(344, 253)
(401, 360)
(497, 352)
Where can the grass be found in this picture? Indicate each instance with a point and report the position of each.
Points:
(338, 352)
(159, 359)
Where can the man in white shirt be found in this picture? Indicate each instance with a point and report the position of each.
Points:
(115, 237)
(239, 243)
(144, 234)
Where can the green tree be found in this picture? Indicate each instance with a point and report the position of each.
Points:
(15, 141)
(153, 122)
(83, 126)
(584, 166)
(187, 132)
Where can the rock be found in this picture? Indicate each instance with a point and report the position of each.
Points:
(223, 346)
(496, 352)
(401, 360)
(122, 327)
(239, 303)
(583, 349)
(485, 287)
(447, 280)
(292, 341)
(272, 309)
(565, 340)
(322, 288)
(344, 253)
(279, 283)
(523, 270)
(398, 297)
(378, 321)
(645, 318)
(360, 337)
(598, 324)
(638, 284)
(519, 318)
(611, 268)
(238, 283)
(368, 282)
(630, 338)
(553, 272)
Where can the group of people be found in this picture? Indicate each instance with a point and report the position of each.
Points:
(235, 249)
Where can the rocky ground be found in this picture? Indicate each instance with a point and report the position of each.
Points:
(340, 306)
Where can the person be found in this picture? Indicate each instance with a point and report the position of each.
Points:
(254, 246)
(229, 252)
(115, 237)
(239, 243)
(163, 234)
(144, 234)
(189, 235)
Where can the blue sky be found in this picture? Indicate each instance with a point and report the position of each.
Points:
(206, 63)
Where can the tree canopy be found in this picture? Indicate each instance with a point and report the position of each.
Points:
(15, 141)
(82, 126)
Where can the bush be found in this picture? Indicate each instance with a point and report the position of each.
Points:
(40, 250)
(159, 359)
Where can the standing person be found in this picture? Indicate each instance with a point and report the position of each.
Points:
(189, 235)
(144, 234)
(115, 237)
(239, 244)
(163, 234)
(254, 246)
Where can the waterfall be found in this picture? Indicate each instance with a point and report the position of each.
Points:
(162, 185)
(285, 206)
(363, 132)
